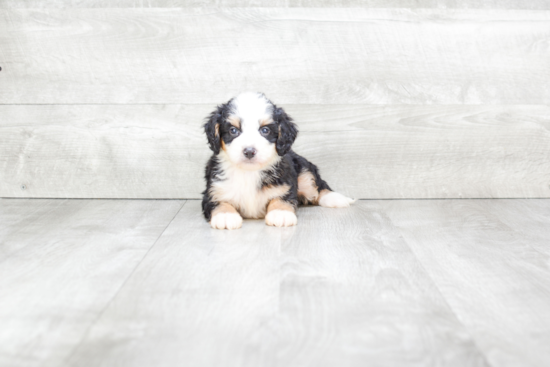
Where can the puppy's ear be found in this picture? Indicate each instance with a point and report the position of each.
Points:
(212, 127)
(287, 130)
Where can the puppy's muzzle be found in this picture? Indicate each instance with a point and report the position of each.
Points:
(249, 153)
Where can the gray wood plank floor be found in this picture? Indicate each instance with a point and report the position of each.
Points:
(383, 283)
(61, 262)
(491, 263)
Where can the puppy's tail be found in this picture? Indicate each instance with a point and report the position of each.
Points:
(335, 200)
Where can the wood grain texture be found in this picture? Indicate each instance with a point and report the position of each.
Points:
(197, 300)
(473, 4)
(353, 294)
(383, 283)
(25, 218)
(295, 55)
(62, 261)
(329, 291)
(529, 220)
(159, 151)
(489, 260)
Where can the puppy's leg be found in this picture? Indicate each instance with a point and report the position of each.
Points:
(309, 193)
(312, 189)
(225, 216)
(280, 213)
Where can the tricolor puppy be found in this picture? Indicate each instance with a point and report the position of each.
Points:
(253, 173)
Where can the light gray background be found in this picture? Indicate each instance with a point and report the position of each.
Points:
(397, 99)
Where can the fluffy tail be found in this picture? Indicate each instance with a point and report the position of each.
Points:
(331, 199)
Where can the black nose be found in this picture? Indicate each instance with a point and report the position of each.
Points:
(249, 153)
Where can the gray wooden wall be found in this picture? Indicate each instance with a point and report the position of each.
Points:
(394, 99)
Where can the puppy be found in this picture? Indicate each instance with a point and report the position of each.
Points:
(253, 173)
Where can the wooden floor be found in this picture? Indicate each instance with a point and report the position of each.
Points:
(384, 283)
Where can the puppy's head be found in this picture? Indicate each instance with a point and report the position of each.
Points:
(250, 131)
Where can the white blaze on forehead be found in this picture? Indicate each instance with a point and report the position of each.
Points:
(251, 108)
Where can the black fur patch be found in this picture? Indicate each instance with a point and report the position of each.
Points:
(213, 126)
(288, 131)
(226, 135)
(211, 174)
(273, 133)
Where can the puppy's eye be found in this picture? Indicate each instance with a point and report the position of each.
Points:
(264, 130)
(233, 131)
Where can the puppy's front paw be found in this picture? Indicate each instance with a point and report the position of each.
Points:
(226, 221)
(281, 218)
(335, 200)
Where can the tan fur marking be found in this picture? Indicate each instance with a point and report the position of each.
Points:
(263, 197)
(276, 191)
(235, 121)
(224, 208)
(215, 193)
(222, 144)
(279, 204)
(269, 192)
(266, 122)
(307, 189)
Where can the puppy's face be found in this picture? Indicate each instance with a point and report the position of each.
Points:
(248, 134)
(250, 131)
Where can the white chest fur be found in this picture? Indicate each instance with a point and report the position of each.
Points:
(243, 190)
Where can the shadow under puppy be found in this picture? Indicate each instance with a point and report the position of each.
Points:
(253, 173)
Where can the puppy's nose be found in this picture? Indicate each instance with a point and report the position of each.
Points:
(249, 152)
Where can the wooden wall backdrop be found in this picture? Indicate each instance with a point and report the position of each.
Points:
(419, 99)
(414, 4)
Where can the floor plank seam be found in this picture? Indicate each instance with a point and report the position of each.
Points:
(100, 314)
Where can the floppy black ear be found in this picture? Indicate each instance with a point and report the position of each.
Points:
(287, 131)
(212, 127)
